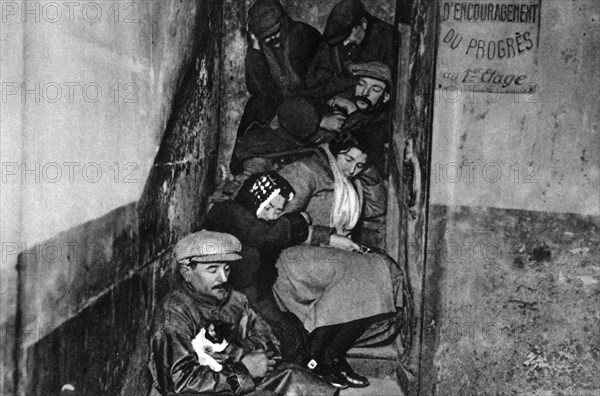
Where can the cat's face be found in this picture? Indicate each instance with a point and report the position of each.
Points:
(217, 332)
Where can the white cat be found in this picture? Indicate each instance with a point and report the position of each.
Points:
(208, 341)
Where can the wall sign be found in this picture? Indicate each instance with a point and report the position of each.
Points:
(488, 45)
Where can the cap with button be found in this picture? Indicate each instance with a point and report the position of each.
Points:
(376, 70)
(207, 247)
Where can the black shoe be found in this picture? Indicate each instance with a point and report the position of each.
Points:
(343, 368)
(325, 372)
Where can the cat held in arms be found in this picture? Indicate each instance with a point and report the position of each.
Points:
(210, 339)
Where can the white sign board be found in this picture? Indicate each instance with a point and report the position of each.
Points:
(488, 45)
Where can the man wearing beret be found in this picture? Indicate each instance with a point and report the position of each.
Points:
(277, 59)
(202, 296)
(351, 35)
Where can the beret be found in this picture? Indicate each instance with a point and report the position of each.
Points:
(208, 246)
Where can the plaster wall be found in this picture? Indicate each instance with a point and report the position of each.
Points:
(512, 284)
(76, 233)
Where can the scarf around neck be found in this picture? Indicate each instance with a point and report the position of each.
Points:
(347, 201)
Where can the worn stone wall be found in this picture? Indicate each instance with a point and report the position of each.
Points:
(87, 91)
(87, 295)
(512, 278)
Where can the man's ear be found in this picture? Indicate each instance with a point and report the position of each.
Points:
(386, 97)
(364, 23)
(185, 271)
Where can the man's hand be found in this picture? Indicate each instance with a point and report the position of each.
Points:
(333, 122)
(343, 103)
(254, 42)
(343, 243)
(258, 363)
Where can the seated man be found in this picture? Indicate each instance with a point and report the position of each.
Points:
(279, 52)
(351, 35)
(200, 297)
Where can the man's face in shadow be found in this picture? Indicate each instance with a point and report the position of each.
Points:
(369, 92)
(273, 40)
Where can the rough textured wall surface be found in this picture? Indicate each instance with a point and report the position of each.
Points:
(77, 155)
(84, 315)
(412, 121)
(517, 307)
(513, 276)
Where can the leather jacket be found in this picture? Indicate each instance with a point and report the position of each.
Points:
(173, 362)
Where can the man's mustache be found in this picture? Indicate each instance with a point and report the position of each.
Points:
(363, 99)
(222, 286)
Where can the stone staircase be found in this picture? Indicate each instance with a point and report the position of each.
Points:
(380, 365)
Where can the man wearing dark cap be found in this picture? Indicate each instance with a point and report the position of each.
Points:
(202, 296)
(368, 108)
(276, 63)
(351, 35)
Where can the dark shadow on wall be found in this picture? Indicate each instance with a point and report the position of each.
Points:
(84, 316)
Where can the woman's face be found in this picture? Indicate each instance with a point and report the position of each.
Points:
(351, 162)
(273, 210)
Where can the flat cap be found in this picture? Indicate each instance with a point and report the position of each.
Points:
(208, 246)
(376, 70)
(343, 17)
(264, 18)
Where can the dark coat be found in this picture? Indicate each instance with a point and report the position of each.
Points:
(299, 45)
(328, 75)
(255, 273)
(262, 241)
(174, 364)
(269, 86)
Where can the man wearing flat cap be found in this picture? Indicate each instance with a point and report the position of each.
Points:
(304, 122)
(277, 59)
(351, 36)
(201, 296)
(368, 108)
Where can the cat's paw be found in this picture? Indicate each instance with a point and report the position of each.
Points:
(215, 366)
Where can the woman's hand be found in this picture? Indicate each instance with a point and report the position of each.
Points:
(341, 242)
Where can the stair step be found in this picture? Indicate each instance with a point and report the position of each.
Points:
(377, 362)
(378, 387)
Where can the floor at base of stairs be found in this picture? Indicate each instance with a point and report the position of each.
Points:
(378, 387)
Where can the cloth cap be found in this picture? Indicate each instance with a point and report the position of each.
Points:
(376, 70)
(264, 18)
(208, 246)
(299, 117)
(260, 189)
(343, 17)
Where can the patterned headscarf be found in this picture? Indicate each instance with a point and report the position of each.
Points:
(260, 189)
